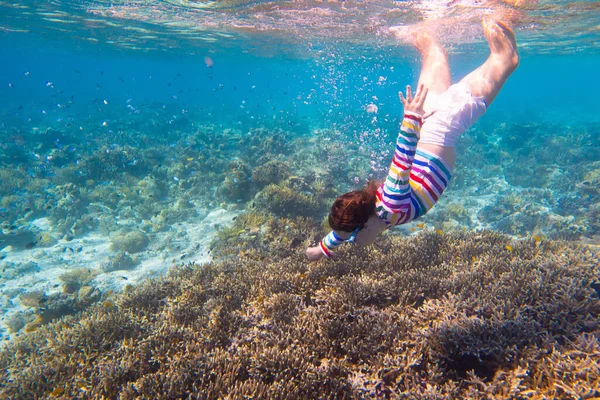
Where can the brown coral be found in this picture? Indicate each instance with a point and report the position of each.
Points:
(461, 315)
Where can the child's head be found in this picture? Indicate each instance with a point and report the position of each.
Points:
(352, 210)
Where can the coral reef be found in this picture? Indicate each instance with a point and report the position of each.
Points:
(237, 183)
(289, 199)
(75, 279)
(48, 308)
(462, 315)
(272, 172)
(130, 242)
(139, 178)
(258, 234)
(117, 262)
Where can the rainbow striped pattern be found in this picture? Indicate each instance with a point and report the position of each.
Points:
(416, 179)
(414, 183)
(329, 243)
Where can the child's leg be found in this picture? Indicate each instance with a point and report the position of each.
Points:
(487, 80)
(430, 171)
(435, 71)
(435, 75)
(466, 101)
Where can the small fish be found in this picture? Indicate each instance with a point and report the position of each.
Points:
(439, 231)
(421, 225)
(538, 238)
(30, 245)
(509, 247)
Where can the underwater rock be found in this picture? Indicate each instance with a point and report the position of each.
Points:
(131, 242)
(117, 262)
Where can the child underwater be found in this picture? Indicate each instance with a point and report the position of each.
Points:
(434, 119)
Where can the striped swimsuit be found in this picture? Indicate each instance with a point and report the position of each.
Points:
(414, 183)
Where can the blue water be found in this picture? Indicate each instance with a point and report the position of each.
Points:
(89, 90)
(545, 88)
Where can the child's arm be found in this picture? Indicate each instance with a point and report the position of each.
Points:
(325, 247)
(395, 198)
(417, 176)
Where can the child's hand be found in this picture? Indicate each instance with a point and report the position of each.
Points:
(314, 253)
(414, 105)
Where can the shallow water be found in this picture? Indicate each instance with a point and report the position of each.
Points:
(155, 117)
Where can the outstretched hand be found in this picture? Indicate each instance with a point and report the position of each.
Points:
(415, 104)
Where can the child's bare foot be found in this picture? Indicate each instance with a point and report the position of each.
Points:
(502, 42)
(400, 32)
(518, 3)
(426, 42)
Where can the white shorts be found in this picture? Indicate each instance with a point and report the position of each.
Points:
(456, 110)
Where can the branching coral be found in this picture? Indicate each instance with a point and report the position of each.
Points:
(285, 200)
(460, 315)
(258, 234)
(273, 171)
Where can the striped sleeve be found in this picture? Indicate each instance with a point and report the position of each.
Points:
(329, 243)
(394, 195)
(416, 178)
